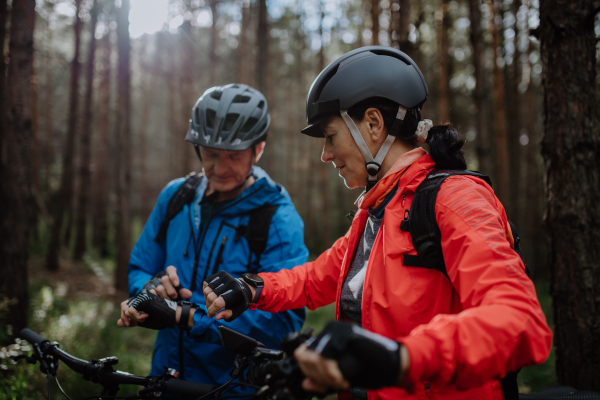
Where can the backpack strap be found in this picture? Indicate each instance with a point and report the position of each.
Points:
(257, 232)
(422, 225)
(183, 195)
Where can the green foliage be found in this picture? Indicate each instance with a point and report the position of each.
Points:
(86, 329)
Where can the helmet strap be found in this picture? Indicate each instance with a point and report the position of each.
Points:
(372, 164)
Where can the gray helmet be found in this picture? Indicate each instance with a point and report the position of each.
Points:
(372, 71)
(231, 117)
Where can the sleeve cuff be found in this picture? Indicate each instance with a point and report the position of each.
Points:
(423, 360)
(201, 324)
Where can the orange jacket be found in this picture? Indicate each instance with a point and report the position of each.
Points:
(462, 334)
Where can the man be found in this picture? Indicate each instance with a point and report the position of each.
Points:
(239, 221)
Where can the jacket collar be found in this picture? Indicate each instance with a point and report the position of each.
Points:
(386, 184)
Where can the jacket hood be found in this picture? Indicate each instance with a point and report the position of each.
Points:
(375, 196)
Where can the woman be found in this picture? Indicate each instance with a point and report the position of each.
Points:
(450, 337)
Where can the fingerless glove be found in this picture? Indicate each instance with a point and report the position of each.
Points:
(162, 313)
(236, 293)
(366, 359)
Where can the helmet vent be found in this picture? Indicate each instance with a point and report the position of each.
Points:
(216, 94)
(261, 105)
(210, 118)
(249, 124)
(240, 99)
(197, 115)
(391, 54)
(230, 121)
(330, 74)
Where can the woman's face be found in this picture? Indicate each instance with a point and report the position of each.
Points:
(341, 150)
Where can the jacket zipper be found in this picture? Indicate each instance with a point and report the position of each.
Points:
(219, 258)
(203, 235)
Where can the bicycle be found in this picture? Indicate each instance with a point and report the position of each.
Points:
(274, 373)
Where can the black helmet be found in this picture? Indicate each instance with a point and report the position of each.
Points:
(231, 117)
(372, 71)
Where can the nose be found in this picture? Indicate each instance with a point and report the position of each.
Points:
(327, 155)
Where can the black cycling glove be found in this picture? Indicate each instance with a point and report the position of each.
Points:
(155, 281)
(366, 359)
(162, 313)
(236, 293)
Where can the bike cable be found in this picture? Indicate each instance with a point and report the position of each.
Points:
(60, 387)
(207, 395)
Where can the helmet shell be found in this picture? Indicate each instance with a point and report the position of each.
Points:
(371, 71)
(231, 117)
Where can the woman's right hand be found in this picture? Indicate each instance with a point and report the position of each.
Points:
(223, 292)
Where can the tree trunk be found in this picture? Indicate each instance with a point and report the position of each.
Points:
(65, 192)
(243, 43)
(124, 147)
(101, 186)
(375, 22)
(48, 120)
(480, 93)
(571, 150)
(324, 197)
(443, 24)
(86, 139)
(3, 17)
(15, 170)
(187, 93)
(213, 43)
(534, 232)
(502, 160)
(263, 44)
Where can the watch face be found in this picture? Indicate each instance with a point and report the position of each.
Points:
(253, 279)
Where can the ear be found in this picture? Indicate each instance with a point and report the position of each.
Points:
(259, 148)
(374, 124)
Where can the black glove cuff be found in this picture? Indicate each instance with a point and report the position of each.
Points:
(184, 318)
(154, 281)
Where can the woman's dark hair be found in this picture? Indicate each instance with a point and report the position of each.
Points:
(445, 143)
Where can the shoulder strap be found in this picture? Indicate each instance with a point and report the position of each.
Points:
(422, 225)
(183, 195)
(257, 231)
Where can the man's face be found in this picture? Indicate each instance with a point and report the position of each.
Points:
(224, 169)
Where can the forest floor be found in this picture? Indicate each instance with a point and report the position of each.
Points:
(79, 307)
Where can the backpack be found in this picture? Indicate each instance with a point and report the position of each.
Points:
(425, 234)
(256, 232)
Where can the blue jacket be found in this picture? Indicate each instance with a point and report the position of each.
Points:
(204, 359)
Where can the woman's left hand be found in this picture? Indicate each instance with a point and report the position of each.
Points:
(322, 374)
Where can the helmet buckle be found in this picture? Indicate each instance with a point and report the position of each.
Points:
(372, 168)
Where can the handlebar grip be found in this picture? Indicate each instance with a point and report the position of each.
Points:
(188, 388)
(31, 336)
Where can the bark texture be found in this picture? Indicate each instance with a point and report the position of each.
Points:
(85, 135)
(480, 92)
(443, 73)
(375, 22)
(15, 172)
(124, 147)
(571, 150)
(65, 193)
(101, 186)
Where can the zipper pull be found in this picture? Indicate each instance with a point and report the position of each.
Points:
(428, 390)
(404, 224)
(403, 198)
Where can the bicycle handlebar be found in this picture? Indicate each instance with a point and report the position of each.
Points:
(101, 371)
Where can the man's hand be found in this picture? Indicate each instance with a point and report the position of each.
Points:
(167, 285)
(221, 290)
(322, 374)
(130, 317)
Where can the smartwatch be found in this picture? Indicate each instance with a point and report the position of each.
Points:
(256, 282)
(184, 319)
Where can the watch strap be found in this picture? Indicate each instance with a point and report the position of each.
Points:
(184, 318)
(257, 291)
